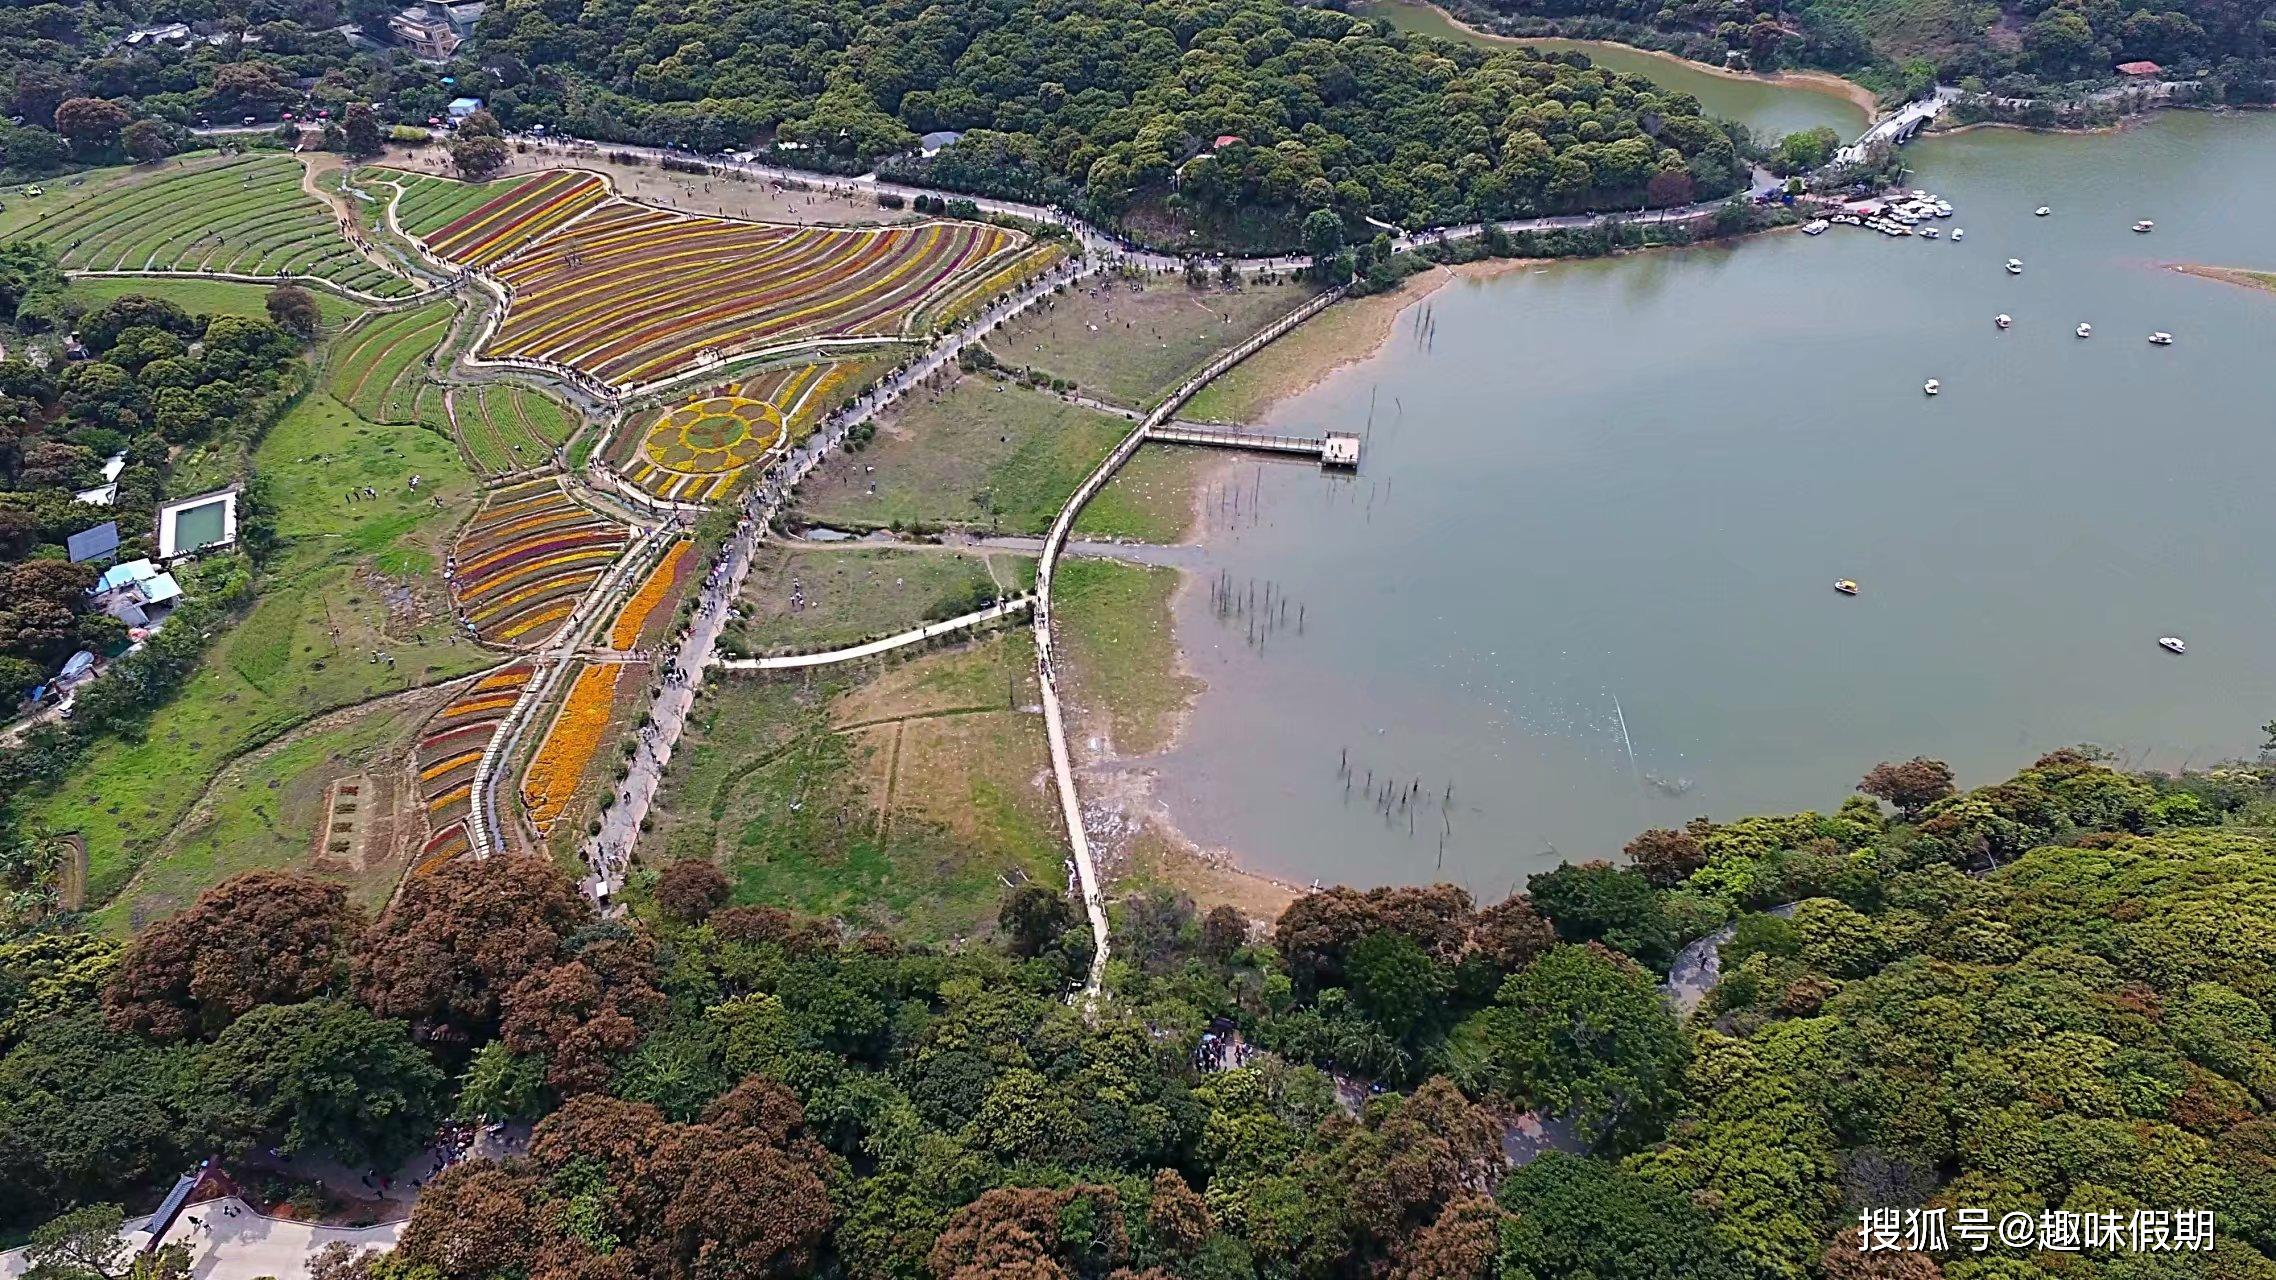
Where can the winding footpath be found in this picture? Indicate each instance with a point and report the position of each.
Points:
(608, 853)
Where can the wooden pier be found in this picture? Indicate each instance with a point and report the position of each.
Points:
(1335, 449)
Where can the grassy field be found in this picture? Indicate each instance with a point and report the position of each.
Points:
(355, 578)
(380, 370)
(982, 454)
(265, 810)
(860, 593)
(430, 203)
(510, 428)
(1132, 343)
(243, 215)
(1151, 498)
(904, 800)
(1120, 652)
(209, 297)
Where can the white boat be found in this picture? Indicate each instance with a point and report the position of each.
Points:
(2041, 212)
(1932, 386)
(1929, 232)
(2003, 320)
(2145, 226)
(2161, 339)
(2085, 331)
(2172, 644)
(1958, 232)
(2015, 266)
(1815, 227)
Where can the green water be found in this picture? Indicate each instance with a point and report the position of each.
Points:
(198, 526)
(1769, 109)
(1637, 480)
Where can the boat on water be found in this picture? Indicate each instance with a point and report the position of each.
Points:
(1957, 232)
(2161, 339)
(2085, 331)
(1815, 227)
(2145, 226)
(1846, 586)
(1929, 233)
(2041, 212)
(1932, 386)
(2172, 644)
(2003, 320)
(2015, 266)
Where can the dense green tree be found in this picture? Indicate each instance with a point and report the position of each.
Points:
(1577, 1219)
(1583, 1032)
(324, 1076)
(1598, 902)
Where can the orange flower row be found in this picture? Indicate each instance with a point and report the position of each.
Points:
(625, 632)
(568, 749)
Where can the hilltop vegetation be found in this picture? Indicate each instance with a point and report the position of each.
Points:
(2034, 48)
(2051, 994)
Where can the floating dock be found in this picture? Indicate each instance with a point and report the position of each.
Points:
(1336, 449)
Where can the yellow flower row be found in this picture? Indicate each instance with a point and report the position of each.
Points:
(536, 620)
(568, 749)
(624, 633)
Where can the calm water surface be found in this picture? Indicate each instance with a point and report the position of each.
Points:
(1637, 480)
(1770, 110)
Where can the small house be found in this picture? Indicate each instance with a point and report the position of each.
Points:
(460, 108)
(137, 593)
(938, 141)
(2140, 70)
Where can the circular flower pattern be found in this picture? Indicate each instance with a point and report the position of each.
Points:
(714, 435)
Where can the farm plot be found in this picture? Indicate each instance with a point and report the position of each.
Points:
(694, 451)
(429, 203)
(509, 428)
(512, 220)
(380, 370)
(952, 308)
(243, 216)
(450, 747)
(632, 295)
(526, 559)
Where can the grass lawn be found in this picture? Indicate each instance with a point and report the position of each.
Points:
(266, 808)
(365, 568)
(210, 297)
(983, 454)
(1151, 498)
(1120, 659)
(903, 799)
(860, 593)
(1132, 343)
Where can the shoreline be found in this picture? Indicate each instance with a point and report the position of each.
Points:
(2241, 277)
(1809, 81)
(1153, 845)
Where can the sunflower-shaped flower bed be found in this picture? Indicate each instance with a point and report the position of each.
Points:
(695, 451)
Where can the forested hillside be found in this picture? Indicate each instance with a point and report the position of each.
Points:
(2050, 996)
(2032, 48)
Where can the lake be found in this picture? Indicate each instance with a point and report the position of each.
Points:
(1584, 576)
(1769, 110)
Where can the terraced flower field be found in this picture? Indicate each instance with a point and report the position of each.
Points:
(244, 216)
(696, 450)
(509, 428)
(655, 591)
(380, 368)
(950, 309)
(512, 220)
(550, 782)
(449, 748)
(632, 295)
(428, 203)
(525, 560)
